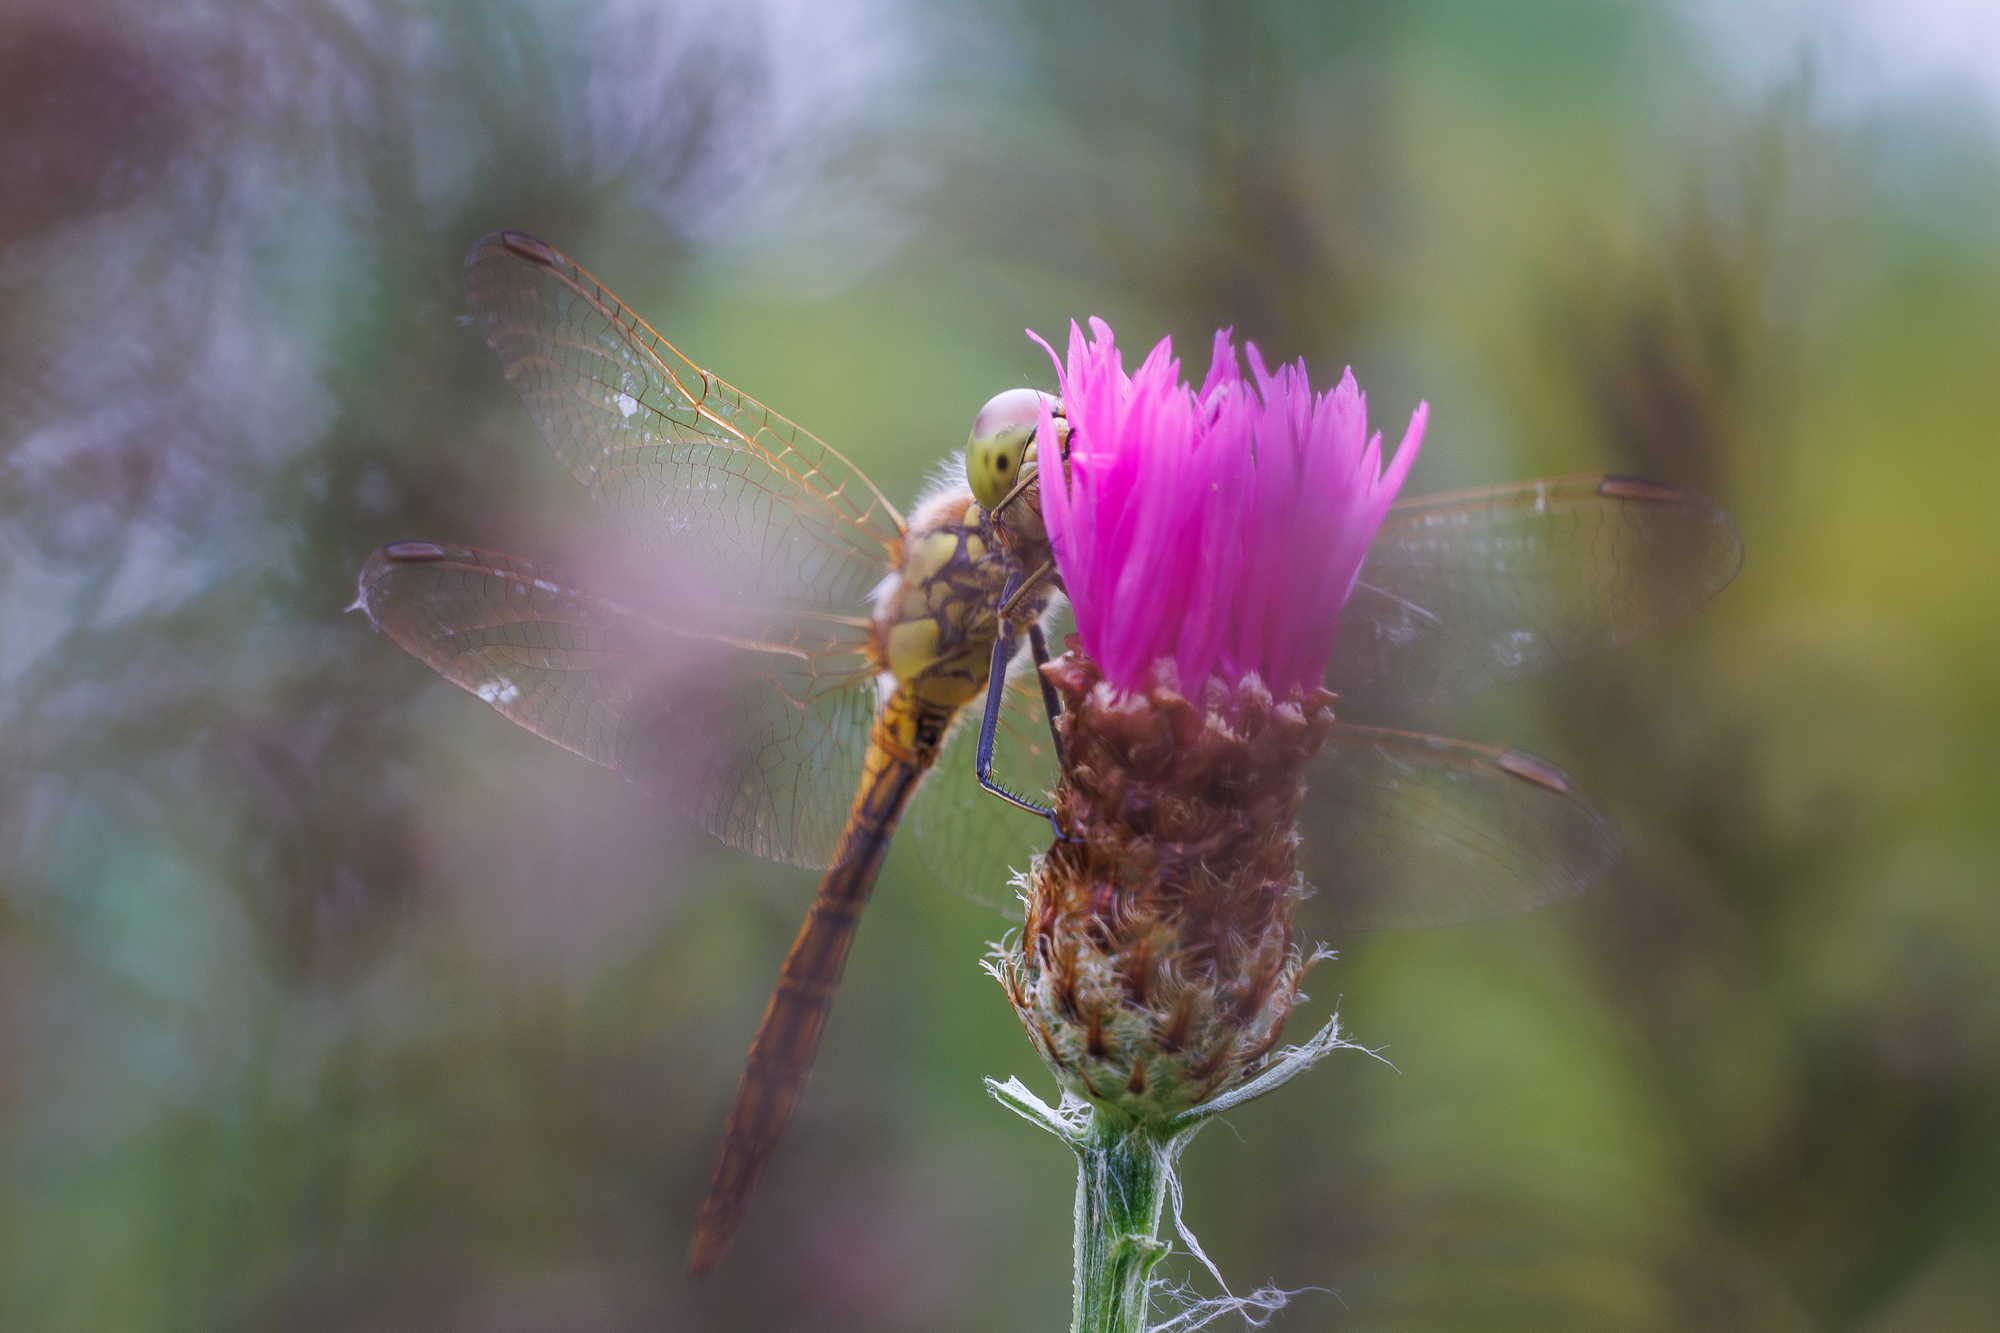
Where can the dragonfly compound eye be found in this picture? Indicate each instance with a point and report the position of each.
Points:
(1000, 443)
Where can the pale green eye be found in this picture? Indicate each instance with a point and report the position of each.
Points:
(1001, 443)
(993, 465)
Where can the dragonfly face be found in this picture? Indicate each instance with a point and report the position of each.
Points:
(1002, 455)
(809, 680)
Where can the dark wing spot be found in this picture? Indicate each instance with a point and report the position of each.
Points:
(1635, 488)
(1534, 770)
(528, 248)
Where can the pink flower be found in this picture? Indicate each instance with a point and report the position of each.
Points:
(1222, 528)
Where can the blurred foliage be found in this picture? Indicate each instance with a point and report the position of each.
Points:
(329, 1001)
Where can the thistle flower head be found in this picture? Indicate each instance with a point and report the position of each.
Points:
(1221, 527)
(1157, 966)
(1208, 540)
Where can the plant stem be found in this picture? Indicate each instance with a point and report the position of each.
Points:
(1122, 1170)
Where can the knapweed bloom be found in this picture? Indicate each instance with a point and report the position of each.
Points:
(1208, 539)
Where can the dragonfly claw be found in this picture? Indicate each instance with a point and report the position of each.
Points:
(1061, 836)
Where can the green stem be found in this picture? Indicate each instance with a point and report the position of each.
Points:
(1122, 1170)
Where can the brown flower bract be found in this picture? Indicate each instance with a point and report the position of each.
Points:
(1157, 965)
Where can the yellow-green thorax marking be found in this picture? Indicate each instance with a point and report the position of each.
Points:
(936, 621)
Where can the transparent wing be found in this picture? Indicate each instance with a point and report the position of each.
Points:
(1403, 830)
(758, 737)
(971, 841)
(1463, 590)
(683, 464)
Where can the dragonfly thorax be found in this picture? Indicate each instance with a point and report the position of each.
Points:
(937, 619)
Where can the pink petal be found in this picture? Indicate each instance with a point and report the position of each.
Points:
(1222, 528)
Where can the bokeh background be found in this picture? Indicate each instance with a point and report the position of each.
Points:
(329, 1001)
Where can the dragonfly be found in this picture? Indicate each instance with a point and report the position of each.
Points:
(799, 670)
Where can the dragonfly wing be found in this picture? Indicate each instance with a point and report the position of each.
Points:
(971, 841)
(758, 740)
(1461, 591)
(683, 464)
(1404, 830)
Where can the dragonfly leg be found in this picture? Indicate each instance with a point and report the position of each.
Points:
(1038, 644)
(1008, 602)
(989, 727)
(989, 732)
(1028, 476)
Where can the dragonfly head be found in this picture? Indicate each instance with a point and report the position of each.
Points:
(1000, 458)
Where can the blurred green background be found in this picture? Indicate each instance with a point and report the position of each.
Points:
(330, 1001)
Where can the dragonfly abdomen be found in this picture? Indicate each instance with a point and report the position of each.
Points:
(904, 742)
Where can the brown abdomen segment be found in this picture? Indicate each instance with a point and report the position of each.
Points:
(901, 747)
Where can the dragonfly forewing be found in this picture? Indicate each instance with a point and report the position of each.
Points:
(683, 464)
(1463, 590)
(1403, 830)
(754, 726)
